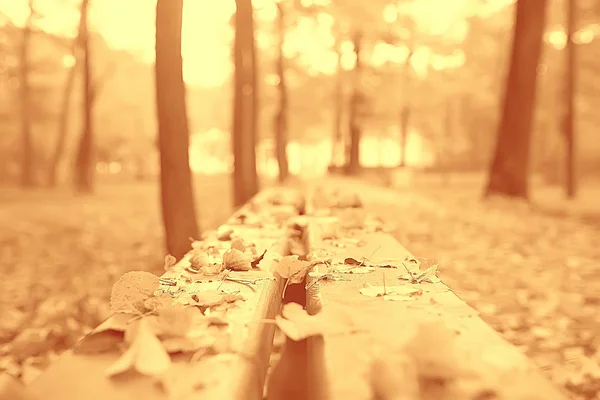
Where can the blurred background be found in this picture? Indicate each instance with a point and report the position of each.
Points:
(435, 101)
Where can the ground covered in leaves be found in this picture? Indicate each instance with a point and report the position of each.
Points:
(61, 253)
(531, 271)
(532, 274)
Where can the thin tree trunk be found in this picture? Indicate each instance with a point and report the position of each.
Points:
(177, 194)
(27, 158)
(353, 167)
(570, 78)
(281, 117)
(404, 123)
(508, 174)
(337, 143)
(84, 162)
(244, 132)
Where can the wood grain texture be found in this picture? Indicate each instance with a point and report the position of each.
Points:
(432, 346)
(235, 375)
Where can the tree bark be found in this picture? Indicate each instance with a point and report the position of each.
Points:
(245, 177)
(570, 79)
(27, 158)
(353, 166)
(177, 194)
(281, 116)
(84, 162)
(508, 174)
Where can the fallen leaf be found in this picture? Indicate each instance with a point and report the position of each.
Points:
(291, 268)
(213, 298)
(199, 259)
(296, 324)
(132, 289)
(212, 269)
(105, 337)
(238, 245)
(156, 303)
(235, 260)
(224, 232)
(415, 273)
(255, 263)
(175, 321)
(170, 261)
(145, 354)
(397, 293)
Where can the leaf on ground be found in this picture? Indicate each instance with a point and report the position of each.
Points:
(224, 232)
(256, 262)
(145, 354)
(199, 259)
(291, 268)
(235, 260)
(105, 337)
(356, 270)
(175, 321)
(415, 272)
(132, 289)
(238, 244)
(296, 324)
(213, 298)
(170, 261)
(396, 293)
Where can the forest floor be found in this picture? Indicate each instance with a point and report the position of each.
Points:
(533, 274)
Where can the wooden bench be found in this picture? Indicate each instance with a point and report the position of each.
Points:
(380, 324)
(220, 343)
(371, 321)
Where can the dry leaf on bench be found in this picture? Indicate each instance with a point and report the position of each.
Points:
(224, 232)
(170, 261)
(415, 272)
(105, 337)
(397, 293)
(238, 245)
(132, 289)
(256, 262)
(213, 298)
(145, 354)
(291, 268)
(175, 320)
(296, 324)
(199, 259)
(235, 260)
(356, 270)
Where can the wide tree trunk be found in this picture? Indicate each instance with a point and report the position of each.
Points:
(177, 194)
(570, 79)
(27, 158)
(245, 177)
(84, 162)
(508, 174)
(281, 118)
(356, 100)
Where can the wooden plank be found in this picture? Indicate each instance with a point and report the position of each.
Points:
(423, 342)
(239, 371)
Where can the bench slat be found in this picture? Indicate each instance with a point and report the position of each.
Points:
(394, 348)
(239, 374)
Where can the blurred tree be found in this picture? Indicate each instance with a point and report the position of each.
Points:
(27, 156)
(85, 166)
(508, 174)
(281, 118)
(570, 79)
(179, 215)
(338, 143)
(244, 132)
(356, 100)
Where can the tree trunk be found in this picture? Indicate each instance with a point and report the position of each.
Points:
(508, 174)
(337, 142)
(84, 161)
(281, 117)
(27, 158)
(245, 177)
(570, 78)
(177, 194)
(353, 167)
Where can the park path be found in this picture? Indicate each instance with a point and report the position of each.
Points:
(534, 277)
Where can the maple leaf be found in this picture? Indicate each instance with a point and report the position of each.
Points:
(132, 289)
(145, 354)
